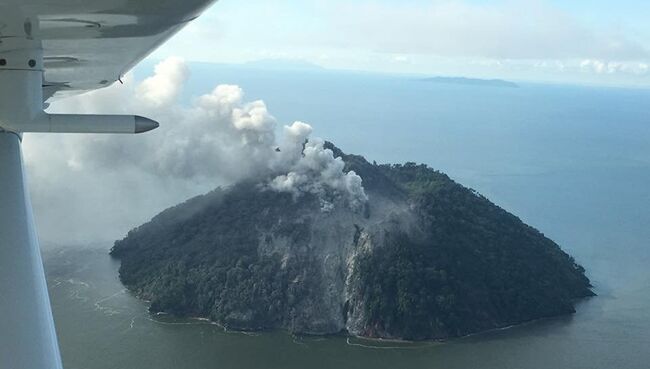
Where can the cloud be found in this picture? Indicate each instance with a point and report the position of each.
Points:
(495, 30)
(509, 39)
(613, 67)
(97, 187)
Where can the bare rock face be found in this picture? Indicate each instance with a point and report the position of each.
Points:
(423, 258)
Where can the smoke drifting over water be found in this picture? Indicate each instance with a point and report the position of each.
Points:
(88, 188)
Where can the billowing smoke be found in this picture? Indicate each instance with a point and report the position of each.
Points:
(96, 187)
(317, 171)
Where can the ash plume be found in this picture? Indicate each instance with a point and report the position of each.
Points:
(97, 187)
(318, 172)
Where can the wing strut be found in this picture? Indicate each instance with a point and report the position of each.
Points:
(28, 338)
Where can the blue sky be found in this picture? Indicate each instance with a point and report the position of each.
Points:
(577, 41)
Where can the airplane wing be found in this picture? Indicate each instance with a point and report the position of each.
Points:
(89, 44)
(50, 48)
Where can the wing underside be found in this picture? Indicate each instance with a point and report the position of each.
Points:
(58, 47)
(89, 44)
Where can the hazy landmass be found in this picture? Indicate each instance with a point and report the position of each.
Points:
(282, 64)
(413, 256)
(471, 81)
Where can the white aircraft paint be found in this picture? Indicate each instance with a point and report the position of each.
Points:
(50, 48)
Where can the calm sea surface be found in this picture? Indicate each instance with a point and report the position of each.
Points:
(572, 161)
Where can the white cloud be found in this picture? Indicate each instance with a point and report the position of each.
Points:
(401, 59)
(514, 39)
(496, 30)
(613, 67)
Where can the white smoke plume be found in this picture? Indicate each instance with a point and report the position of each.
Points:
(318, 172)
(96, 187)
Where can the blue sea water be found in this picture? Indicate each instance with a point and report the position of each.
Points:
(572, 161)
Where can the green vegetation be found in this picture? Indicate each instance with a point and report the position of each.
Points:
(478, 267)
(201, 258)
(244, 257)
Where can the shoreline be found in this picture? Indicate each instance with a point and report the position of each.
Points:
(348, 336)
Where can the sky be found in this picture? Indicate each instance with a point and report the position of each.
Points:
(111, 183)
(578, 41)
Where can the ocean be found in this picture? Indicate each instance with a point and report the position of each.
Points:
(572, 161)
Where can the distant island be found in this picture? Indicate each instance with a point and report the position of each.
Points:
(423, 258)
(471, 81)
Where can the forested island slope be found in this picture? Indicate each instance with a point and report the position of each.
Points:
(422, 258)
